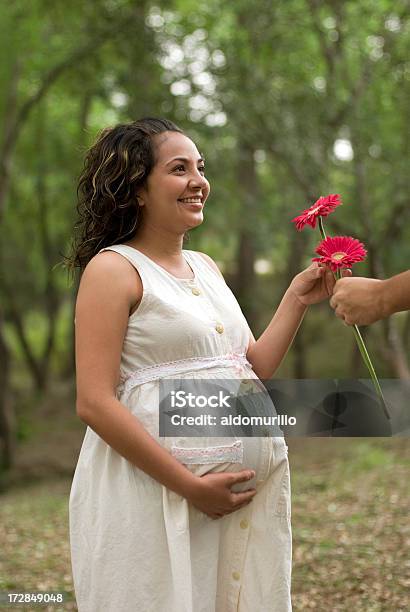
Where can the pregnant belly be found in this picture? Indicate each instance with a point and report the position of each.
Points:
(205, 456)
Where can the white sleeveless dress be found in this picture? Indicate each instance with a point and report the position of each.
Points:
(136, 546)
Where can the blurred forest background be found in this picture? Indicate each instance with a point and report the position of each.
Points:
(288, 100)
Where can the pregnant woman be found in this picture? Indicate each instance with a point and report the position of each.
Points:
(162, 524)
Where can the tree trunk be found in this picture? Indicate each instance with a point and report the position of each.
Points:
(406, 333)
(51, 297)
(356, 360)
(7, 424)
(396, 350)
(245, 277)
(298, 250)
(15, 318)
(299, 362)
(69, 368)
(6, 409)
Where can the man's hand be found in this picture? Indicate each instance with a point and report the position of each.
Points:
(359, 301)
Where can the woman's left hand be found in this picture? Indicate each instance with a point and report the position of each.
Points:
(314, 284)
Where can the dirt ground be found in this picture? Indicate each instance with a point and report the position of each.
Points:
(350, 517)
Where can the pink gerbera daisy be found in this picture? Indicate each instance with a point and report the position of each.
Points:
(340, 252)
(321, 208)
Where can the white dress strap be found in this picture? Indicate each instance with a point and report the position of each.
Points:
(200, 262)
(137, 260)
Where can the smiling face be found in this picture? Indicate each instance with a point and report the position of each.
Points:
(176, 189)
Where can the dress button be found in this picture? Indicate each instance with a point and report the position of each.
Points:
(195, 291)
(219, 328)
(244, 524)
(236, 575)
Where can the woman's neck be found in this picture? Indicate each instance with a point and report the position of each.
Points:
(161, 246)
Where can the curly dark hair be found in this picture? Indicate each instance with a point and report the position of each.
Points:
(115, 168)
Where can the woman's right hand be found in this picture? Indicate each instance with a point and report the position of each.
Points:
(212, 493)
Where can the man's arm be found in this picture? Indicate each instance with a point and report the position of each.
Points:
(362, 301)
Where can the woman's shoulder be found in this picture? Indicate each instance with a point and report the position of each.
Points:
(111, 273)
(109, 262)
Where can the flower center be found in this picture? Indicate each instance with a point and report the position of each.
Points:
(338, 256)
(314, 210)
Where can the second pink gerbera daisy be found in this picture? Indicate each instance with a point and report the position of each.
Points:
(321, 208)
(340, 252)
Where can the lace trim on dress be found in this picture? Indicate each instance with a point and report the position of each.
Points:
(180, 366)
(210, 454)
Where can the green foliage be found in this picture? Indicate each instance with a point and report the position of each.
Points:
(280, 81)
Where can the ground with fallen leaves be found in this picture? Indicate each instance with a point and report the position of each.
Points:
(351, 525)
(350, 516)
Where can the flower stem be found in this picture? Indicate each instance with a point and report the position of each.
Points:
(360, 342)
(366, 359)
(322, 228)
